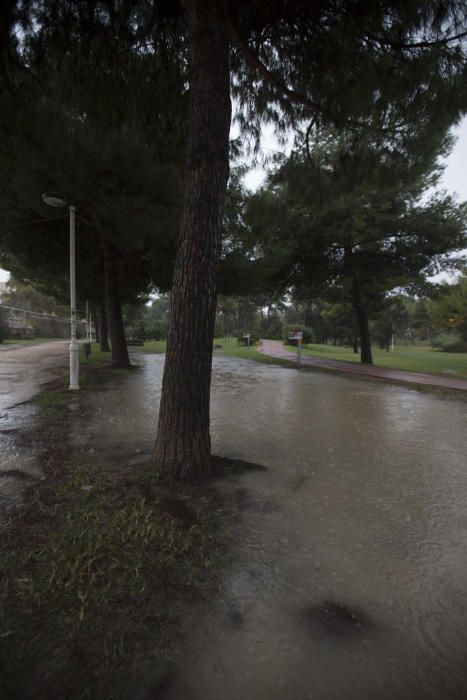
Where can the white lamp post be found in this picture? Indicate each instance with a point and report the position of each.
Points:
(54, 200)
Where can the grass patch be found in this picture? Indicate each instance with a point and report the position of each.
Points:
(98, 571)
(96, 355)
(230, 346)
(409, 358)
(99, 568)
(155, 346)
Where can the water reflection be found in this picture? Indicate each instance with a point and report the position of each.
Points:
(362, 512)
(348, 579)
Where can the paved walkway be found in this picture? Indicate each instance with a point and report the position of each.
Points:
(25, 368)
(274, 348)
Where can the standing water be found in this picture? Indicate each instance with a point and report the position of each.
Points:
(348, 578)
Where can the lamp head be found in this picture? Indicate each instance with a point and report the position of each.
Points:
(53, 200)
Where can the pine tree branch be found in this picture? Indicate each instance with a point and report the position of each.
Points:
(255, 63)
(417, 44)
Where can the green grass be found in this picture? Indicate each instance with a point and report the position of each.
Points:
(150, 346)
(230, 346)
(95, 356)
(414, 358)
(97, 570)
(155, 346)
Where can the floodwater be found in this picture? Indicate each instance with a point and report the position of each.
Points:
(348, 576)
(23, 371)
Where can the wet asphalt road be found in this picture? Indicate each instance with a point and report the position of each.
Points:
(25, 369)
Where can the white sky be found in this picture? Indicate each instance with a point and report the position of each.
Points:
(454, 178)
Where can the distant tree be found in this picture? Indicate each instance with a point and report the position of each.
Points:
(390, 322)
(448, 310)
(421, 320)
(347, 220)
(23, 295)
(4, 330)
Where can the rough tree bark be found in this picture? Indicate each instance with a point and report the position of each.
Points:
(358, 307)
(360, 318)
(103, 329)
(355, 332)
(183, 443)
(120, 356)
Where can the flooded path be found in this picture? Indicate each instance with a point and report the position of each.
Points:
(24, 369)
(348, 577)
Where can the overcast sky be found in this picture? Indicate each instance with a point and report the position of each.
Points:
(454, 179)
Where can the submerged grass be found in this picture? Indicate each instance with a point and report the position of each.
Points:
(97, 570)
(96, 573)
(231, 347)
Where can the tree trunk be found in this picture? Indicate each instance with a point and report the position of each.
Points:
(183, 444)
(103, 329)
(120, 356)
(354, 331)
(362, 318)
(308, 316)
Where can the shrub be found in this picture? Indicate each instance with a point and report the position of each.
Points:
(294, 328)
(159, 330)
(450, 342)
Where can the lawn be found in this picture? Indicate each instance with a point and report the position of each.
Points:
(155, 346)
(415, 358)
(230, 346)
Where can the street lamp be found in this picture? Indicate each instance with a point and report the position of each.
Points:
(55, 200)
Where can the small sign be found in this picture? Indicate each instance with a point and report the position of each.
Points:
(296, 336)
(246, 335)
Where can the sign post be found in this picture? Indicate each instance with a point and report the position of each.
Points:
(247, 336)
(298, 336)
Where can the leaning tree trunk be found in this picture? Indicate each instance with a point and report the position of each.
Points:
(120, 356)
(366, 356)
(183, 443)
(103, 329)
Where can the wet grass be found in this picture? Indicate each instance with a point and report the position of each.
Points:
(98, 571)
(155, 346)
(416, 358)
(99, 568)
(230, 346)
(95, 356)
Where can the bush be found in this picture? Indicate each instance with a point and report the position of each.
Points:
(295, 328)
(450, 342)
(159, 330)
